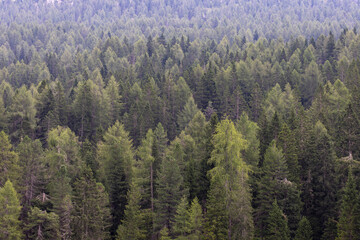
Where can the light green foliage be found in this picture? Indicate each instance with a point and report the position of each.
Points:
(9, 213)
(64, 148)
(187, 114)
(195, 221)
(181, 227)
(280, 101)
(9, 168)
(249, 130)
(232, 173)
(43, 225)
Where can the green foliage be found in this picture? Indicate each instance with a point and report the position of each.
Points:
(116, 159)
(9, 213)
(348, 224)
(42, 225)
(132, 226)
(91, 213)
(304, 231)
(8, 161)
(277, 224)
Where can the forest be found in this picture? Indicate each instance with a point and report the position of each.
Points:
(165, 119)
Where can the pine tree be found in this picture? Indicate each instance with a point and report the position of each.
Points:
(9, 213)
(42, 225)
(349, 222)
(277, 224)
(132, 226)
(304, 231)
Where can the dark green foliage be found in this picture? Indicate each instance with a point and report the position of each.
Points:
(277, 224)
(42, 225)
(304, 231)
(349, 221)
(91, 214)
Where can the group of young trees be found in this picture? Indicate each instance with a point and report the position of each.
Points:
(113, 128)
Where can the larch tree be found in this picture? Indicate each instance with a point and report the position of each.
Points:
(9, 213)
(9, 166)
(232, 173)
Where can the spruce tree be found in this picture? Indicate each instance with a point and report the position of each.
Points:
(116, 158)
(168, 186)
(132, 226)
(42, 225)
(91, 213)
(181, 227)
(304, 231)
(277, 224)
(9, 213)
(349, 223)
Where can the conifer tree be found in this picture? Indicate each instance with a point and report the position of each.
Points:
(9, 213)
(132, 226)
(187, 114)
(9, 167)
(195, 221)
(91, 213)
(232, 173)
(349, 222)
(32, 169)
(169, 184)
(116, 158)
(181, 220)
(277, 224)
(304, 231)
(42, 225)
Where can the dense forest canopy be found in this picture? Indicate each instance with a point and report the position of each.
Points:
(164, 119)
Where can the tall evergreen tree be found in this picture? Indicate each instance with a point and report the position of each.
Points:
(277, 224)
(42, 225)
(232, 172)
(9, 167)
(9, 213)
(304, 231)
(132, 226)
(349, 222)
(116, 158)
(91, 213)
